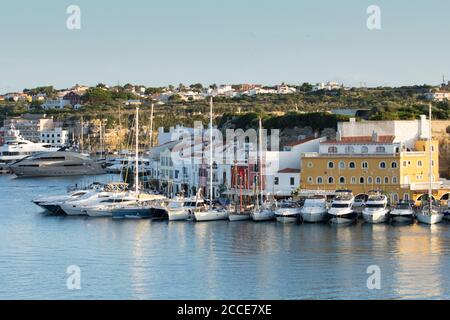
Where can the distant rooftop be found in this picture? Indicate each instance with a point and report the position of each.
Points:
(362, 140)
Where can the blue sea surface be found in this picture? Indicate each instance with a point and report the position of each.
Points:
(143, 259)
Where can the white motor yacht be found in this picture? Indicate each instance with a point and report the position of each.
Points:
(183, 208)
(341, 211)
(376, 209)
(16, 148)
(59, 163)
(402, 213)
(314, 209)
(288, 212)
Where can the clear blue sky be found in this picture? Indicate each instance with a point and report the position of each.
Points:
(235, 41)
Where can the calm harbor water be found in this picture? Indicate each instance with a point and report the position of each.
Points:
(217, 260)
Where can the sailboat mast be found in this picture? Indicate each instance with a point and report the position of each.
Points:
(151, 128)
(210, 151)
(260, 161)
(430, 189)
(136, 169)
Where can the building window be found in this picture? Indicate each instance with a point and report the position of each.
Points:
(406, 197)
(380, 150)
(386, 180)
(369, 180)
(332, 150)
(341, 165)
(310, 179)
(330, 164)
(383, 165)
(364, 165)
(349, 149)
(352, 165)
(292, 181)
(420, 163)
(319, 180)
(330, 180)
(394, 180)
(276, 181)
(394, 165)
(342, 180)
(361, 180)
(364, 149)
(353, 180)
(310, 164)
(378, 180)
(394, 197)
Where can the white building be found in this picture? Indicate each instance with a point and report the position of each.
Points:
(56, 104)
(56, 137)
(330, 85)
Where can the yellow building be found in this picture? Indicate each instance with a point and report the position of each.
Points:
(364, 163)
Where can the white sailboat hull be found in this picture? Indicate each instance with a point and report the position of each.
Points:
(430, 219)
(211, 215)
(263, 215)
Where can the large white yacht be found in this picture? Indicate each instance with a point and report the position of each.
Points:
(314, 209)
(376, 209)
(59, 163)
(16, 148)
(341, 211)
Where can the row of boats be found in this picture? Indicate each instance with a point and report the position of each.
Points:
(116, 201)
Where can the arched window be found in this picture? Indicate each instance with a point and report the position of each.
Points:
(383, 165)
(332, 149)
(394, 180)
(353, 180)
(361, 180)
(420, 163)
(378, 180)
(352, 165)
(394, 165)
(406, 197)
(330, 180)
(310, 164)
(310, 179)
(369, 180)
(380, 149)
(386, 180)
(330, 164)
(342, 180)
(364, 149)
(394, 198)
(341, 165)
(319, 180)
(365, 165)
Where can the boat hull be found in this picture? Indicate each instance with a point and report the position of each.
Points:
(346, 218)
(179, 215)
(72, 210)
(429, 218)
(239, 217)
(288, 219)
(211, 215)
(313, 217)
(54, 209)
(375, 217)
(264, 215)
